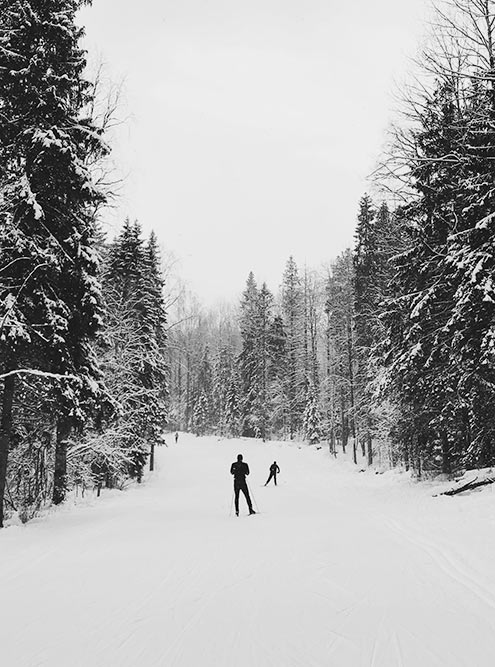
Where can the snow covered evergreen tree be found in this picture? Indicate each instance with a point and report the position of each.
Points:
(134, 354)
(366, 306)
(201, 414)
(224, 364)
(204, 403)
(256, 320)
(278, 394)
(293, 314)
(263, 324)
(312, 419)
(50, 299)
(340, 313)
(440, 349)
(232, 405)
(248, 360)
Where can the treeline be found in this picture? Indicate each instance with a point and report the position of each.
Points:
(82, 323)
(294, 365)
(394, 350)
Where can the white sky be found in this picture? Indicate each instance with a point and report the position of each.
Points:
(252, 123)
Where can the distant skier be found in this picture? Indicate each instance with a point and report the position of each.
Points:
(240, 469)
(176, 437)
(274, 469)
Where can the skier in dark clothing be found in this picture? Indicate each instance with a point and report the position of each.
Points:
(240, 469)
(176, 437)
(274, 469)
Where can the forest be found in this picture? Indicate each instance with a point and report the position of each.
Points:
(388, 352)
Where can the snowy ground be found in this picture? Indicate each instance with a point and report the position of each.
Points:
(340, 569)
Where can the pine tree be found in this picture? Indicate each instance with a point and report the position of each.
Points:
(154, 321)
(340, 314)
(224, 364)
(248, 360)
(201, 417)
(441, 371)
(440, 330)
(312, 419)
(232, 405)
(256, 319)
(366, 308)
(135, 325)
(204, 392)
(293, 311)
(263, 324)
(279, 406)
(50, 295)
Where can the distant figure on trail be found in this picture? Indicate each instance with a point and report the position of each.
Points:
(240, 469)
(274, 469)
(176, 437)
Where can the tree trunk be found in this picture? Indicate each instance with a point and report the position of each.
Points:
(330, 390)
(370, 449)
(179, 392)
(369, 440)
(488, 16)
(332, 441)
(5, 436)
(350, 361)
(344, 422)
(188, 392)
(60, 473)
(152, 457)
(345, 434)
(406, 455)
(420, 442)
(446, 465)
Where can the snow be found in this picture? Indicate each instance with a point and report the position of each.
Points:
(341, 568)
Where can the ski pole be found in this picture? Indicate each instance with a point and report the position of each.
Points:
(253, 498)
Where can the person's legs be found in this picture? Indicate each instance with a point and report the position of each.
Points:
(271, 475)
(246, 494)
(275, 478)
(236, 491)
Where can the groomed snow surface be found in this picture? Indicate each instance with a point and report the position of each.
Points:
(338, 569)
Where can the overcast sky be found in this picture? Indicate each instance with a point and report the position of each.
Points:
(252, 124)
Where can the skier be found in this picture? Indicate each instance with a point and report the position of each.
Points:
(240, 469)
(176, 437)
(274, 469)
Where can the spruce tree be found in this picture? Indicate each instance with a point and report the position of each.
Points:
(366, 310)
(204, 392)
(50, 295)
(441, 370)
(340, 309)
(232, 405)
(223, 367)
(248, 360)
(441, 365)
(263, 324)
(312, 419)
(154, 321)
(293, 311)
(201, 417)
(135, 327)
(279, 405)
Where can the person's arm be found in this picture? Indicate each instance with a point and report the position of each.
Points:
(247, 469)
(232, 469)
(278, 469)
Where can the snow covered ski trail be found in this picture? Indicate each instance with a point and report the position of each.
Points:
(338, 569)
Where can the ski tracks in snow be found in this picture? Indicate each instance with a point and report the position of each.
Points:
(336, 571)
(448, 565)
